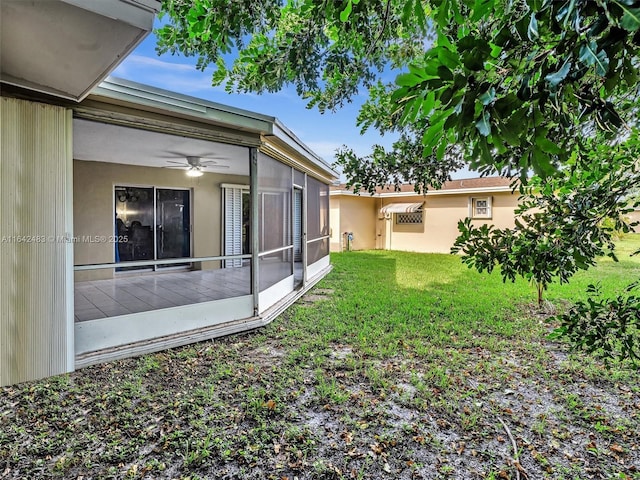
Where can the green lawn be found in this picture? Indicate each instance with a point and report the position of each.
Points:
(397, 365)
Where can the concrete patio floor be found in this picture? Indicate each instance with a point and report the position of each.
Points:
(124, 295)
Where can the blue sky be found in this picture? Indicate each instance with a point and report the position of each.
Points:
(323, 133)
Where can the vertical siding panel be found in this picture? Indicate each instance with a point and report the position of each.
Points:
(35, 193)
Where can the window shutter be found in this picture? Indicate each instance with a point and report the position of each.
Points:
(233, 225)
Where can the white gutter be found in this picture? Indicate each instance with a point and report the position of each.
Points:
(456, 191)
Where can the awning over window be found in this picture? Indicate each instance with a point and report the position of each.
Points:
(402, 208)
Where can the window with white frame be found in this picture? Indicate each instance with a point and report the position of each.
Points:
(411, 218)
(480, 207)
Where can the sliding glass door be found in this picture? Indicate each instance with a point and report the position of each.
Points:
(173, 225)
(152, 224)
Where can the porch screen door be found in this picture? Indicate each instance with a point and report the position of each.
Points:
(233, 225)
(297, 225)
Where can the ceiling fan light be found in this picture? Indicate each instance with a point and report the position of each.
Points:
(194, 172)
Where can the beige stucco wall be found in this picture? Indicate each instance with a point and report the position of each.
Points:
(334, 224)
(634, 217)
(93, 208)
(353, 214)
(440, 221)
(436, 234)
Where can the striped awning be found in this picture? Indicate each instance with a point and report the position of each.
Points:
(402, 208)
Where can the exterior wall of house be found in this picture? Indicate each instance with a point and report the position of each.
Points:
(635, 217)
(441, 214)
(36, 300)
(93, 208)
(335, 242)
(436, 233)
(356, 214)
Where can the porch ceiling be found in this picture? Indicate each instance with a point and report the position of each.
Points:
(95, 141)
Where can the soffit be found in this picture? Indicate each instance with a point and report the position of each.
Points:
(65, 47)
(104, 142)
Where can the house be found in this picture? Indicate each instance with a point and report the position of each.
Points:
(134, 219)
(406, 220)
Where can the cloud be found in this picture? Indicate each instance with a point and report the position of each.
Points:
(325, 149)
(148, 62)
(178, 77)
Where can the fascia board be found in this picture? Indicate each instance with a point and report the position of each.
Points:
(132, 12)
(459, 191)
(169, 102)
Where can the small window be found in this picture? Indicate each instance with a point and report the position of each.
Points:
(412, 218)
(480, 207)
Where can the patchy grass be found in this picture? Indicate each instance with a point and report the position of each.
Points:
(398, 365)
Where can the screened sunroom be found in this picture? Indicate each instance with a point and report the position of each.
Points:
(139, 219)
(183, 229)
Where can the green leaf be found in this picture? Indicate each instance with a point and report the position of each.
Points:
(481, 8)
(420, 17)
(344, 15)
(444, 73)
(448, 58)
(532, 31)
(483, 125)
(440, 115)
(504, 106)
(408, 80)
(541, 163)
(433, 133)
(590, 56)
(418, 71)
(487, 97)
(406, 11)
(547, 146)
(511, 136)
(485, 153)
(631, 19)
(498, 143)
(442, 148)
(451, 121)
(555, 78)
(474, 60)
(428, 103)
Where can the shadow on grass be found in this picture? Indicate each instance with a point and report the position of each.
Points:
(389, 300)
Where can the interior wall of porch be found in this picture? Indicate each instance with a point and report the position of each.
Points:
(93, 207)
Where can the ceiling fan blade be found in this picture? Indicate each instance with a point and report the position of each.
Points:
(185, 154)
(179, 163)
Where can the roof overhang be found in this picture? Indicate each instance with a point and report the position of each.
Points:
(270, 135)
(66, 47)
(430, 193)
(402, 207)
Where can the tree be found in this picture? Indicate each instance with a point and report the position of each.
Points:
(514, 83)
(563, 223)
(510, 86)
(326, 49)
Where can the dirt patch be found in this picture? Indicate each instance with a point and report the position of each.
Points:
(317, 295)
(248, 407)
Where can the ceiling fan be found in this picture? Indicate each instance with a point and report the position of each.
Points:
(194, 165)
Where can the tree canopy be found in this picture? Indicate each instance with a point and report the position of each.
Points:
(516, 87)
(515, 84)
